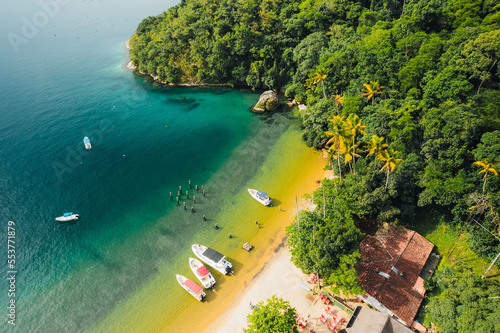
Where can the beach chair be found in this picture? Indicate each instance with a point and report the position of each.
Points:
(329, 310)
(332, 327)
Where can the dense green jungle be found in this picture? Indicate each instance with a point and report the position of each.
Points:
(402, 95)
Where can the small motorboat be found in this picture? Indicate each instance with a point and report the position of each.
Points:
(202, 273)
(260, 196)
(68, 217)
(86, 141)
(213, 258)
(191, 287)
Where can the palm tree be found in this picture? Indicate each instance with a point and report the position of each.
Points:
(320, 76)
(371, 90)
(350, 152)
(487, 167)
(354, 126)
(376, 144)
(390, 157)
(338, 134)
(309, 83)
(338, 100)
(331, 155)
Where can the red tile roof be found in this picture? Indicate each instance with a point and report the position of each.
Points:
(403, 249)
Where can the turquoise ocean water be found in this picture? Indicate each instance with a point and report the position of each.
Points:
(62, 77)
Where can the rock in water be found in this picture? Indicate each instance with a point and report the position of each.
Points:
(268, 101)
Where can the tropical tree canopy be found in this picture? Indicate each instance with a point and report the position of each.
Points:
(274, 315)
(371, 90)
(328, 245)
(487, 166)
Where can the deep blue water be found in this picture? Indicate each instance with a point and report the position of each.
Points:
(62, 77)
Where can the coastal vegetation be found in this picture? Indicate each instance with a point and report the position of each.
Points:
(275, 315)
(402, 95)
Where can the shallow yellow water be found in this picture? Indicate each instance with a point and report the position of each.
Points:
(290, 169)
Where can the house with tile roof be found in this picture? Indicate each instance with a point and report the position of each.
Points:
(392, 271)
(364, 320)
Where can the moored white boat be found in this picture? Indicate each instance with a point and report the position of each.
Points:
(67, 217)
(202, 273)
(86, 141)
(212, 258)
(191, 287)
(260, 196)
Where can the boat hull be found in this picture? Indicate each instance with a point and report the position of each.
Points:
(191, 287)
(203, 275)
(214, 260)
(87, 144)
(265, 199)
(73, 217)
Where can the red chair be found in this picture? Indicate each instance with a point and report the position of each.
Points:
(323, 318)
(338, 319)
(329, 310)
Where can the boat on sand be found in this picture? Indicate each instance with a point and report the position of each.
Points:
(191, 287)
(212, 258)
(202, 273)
(260, 196)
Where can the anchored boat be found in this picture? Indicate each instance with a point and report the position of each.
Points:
(202, 273)
(86, 141)
(260, 196)
(212, 258)
(191, 287)
(67, 217)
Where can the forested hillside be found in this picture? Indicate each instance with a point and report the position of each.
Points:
(404, 96)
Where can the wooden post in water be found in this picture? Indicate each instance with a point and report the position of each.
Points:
(194, 198)
(189, 184)
(184, 205)
(177, 200)
(171, 197)
(180, 189)
(196, 188)
(203, 192)
(187, 194)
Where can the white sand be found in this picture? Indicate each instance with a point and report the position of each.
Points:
(280, 277)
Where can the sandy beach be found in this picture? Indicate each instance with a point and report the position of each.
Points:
(279, 277)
